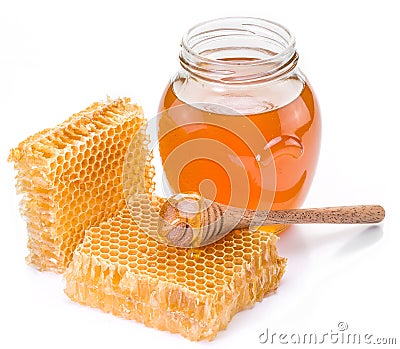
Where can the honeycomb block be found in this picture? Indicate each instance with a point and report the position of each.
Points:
(120, 269)
(70, 177)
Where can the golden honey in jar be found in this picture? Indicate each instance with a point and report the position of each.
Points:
(239, 122)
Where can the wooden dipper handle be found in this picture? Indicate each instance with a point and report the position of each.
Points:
(335, 215)
(220, 219)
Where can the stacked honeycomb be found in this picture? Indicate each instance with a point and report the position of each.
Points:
(120, 269)
(73, 179)
(70, 177)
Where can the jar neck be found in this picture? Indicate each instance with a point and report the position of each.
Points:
(238, 50)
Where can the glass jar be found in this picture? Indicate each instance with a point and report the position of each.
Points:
(239, 122)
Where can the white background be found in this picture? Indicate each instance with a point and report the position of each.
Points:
(56, 58)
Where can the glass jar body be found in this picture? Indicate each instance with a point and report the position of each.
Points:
(251, 141)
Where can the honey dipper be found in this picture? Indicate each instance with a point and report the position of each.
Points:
(190, 220)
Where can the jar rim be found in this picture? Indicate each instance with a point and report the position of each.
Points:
(288, 40)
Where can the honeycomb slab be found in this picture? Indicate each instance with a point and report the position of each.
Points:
(120, 269)
(70, 177)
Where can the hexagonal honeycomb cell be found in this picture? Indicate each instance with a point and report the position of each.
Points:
(120, 269)
(70, 177)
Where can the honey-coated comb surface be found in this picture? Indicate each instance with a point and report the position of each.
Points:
(70, 177)
(120, 269)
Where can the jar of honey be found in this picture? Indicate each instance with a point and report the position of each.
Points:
(239, 122)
